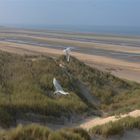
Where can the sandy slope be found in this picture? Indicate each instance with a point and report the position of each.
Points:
(99, 121)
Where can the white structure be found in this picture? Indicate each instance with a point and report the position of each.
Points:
(58, 88)
(67, 53)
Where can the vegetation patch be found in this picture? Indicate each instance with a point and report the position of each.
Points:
(26, 88)
(112, 92)
(38, 132)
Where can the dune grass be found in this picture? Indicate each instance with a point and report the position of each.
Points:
(33, 131)
(117, 127)
(115, 95)
(26, 87)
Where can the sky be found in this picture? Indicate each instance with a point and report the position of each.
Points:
(70, 12)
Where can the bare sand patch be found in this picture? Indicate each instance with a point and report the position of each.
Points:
(100, 121)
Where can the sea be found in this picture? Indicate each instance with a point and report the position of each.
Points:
(111, 30)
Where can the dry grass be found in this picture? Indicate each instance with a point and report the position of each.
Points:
(39, 132)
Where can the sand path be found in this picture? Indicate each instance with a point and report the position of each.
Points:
(100, 121)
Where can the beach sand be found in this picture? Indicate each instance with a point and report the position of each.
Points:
(118, 67)
(100, 121)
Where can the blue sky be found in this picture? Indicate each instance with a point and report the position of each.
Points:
(70, 12)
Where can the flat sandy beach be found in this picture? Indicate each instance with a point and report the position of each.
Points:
(105, 53)
(120, 68)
